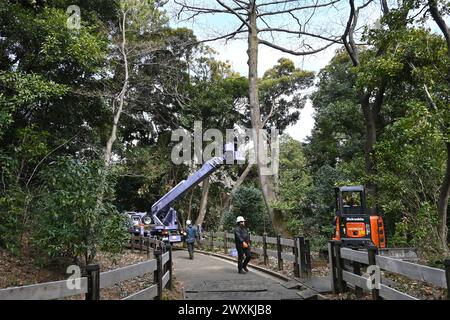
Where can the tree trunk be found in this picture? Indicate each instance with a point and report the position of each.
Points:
(229, 203)
(371, 139)
(266, 181)
(445, 187)
(122, 94)
(203, 202)
(443, 203)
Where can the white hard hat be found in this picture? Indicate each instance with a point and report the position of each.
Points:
(240, 219)
(189, 222)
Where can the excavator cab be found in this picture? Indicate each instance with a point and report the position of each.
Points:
(354, 225)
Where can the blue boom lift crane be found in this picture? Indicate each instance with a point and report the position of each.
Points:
(165, 222)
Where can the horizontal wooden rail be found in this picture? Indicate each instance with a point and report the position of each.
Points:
(97, 280)
(295, 251)
(346, 264)
(287, 242)
(354, 255)
(258, 250)
(256, 238)
(110, 278)
(354, 279)
(288, 256)
(414, 271)
(272, 253)
(271, 240)
(147, 294)
(44, 291)
(389, 293)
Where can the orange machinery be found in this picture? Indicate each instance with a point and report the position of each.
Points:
(354, 225)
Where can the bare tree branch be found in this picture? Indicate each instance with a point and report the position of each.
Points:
(293, 52)
(298, 9)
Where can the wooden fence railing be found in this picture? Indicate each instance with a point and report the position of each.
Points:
(295, 251)
(346, 272)
(160, 266)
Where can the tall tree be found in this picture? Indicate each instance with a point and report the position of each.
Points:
(136, 18)
(250, 15)
(438, 14)
(372, 91)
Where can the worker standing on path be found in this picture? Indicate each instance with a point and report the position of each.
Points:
(242, 240)
(191, 236)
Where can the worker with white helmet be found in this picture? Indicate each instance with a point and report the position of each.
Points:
(242, 240)
(191, 235)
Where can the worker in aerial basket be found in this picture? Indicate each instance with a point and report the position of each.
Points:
(191, 236)
(242, 239)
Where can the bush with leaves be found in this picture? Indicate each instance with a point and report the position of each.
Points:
(249, 203)
(418, 230)
(76, 216)
(295, 185)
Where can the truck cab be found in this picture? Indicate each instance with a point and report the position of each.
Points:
(354, 225)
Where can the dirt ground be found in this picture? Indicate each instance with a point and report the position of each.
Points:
(20, 271)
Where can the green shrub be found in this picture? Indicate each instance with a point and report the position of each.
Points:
(76, 216)
(249, 203)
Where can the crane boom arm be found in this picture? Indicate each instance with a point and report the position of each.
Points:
(161, 210)
(185, 186)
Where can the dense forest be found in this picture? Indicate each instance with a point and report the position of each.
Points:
(87, 115)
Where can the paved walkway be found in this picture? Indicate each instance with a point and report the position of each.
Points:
(211, 278)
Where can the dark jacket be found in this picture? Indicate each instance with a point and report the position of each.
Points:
(241, 235)
(191, 234)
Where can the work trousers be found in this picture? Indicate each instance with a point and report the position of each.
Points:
(242, 263)
(190, 246)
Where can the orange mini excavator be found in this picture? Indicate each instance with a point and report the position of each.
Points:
(355, 226)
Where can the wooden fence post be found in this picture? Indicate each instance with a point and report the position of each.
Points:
(447, 276)
(158, 274)
(332, 259)
(141, 244)
(339, 267)
(372, 251)
(93, 281)
(265, 256)
(302, 257)
(225, 242)
(308, 258)
(148, 247)
(279, 251)
(170, 267)
(295, 252)
(211, 243)
(357, 271)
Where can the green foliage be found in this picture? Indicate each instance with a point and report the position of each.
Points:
(19, 89)
(281, 93)
(114, 233)
(249, 203)
(410, 164)
(294, 186)
(339, 130)
(17, 162)
(213, 90)
(418, 230)
(13, 202)
(411, 130)
(76, 216)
